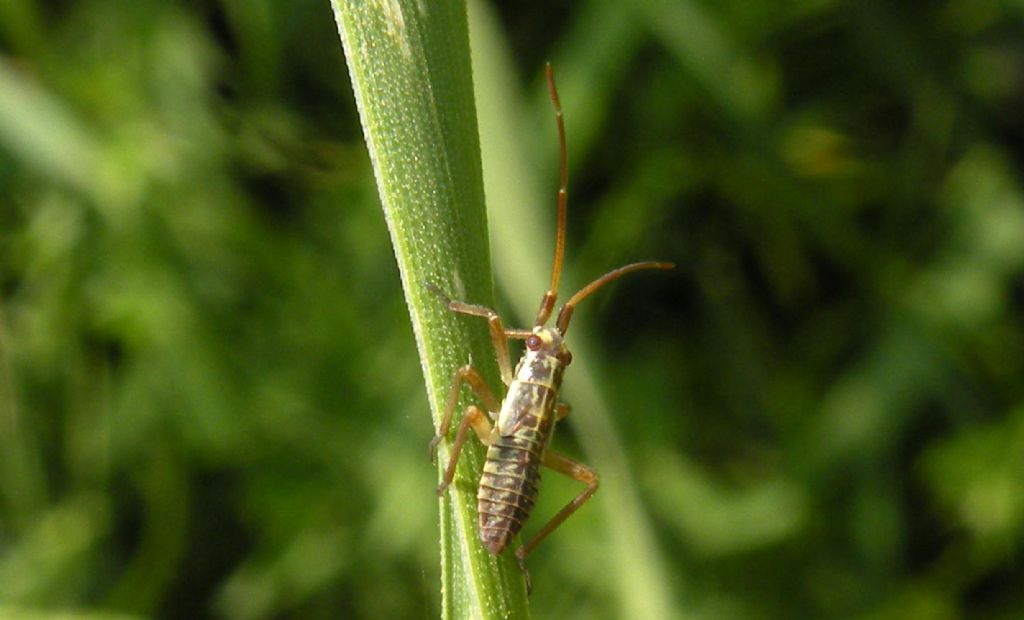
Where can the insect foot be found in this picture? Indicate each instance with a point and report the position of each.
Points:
(432, 448)
(521, 560)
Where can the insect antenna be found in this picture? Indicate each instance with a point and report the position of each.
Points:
(565, 314)
(547, 303)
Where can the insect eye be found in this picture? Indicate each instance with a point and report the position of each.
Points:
(566, 358)
(533, 343)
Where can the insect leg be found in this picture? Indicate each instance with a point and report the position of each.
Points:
(481, 425)
(499, 335)
(469, 375)
(576, 471)
(561, 411)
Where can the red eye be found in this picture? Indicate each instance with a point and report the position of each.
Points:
(533, 343)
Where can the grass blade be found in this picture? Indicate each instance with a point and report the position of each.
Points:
(410, 70)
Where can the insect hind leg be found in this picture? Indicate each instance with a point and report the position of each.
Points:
(576, 471)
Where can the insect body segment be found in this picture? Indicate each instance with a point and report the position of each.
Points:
(517, 430)
(509, 483)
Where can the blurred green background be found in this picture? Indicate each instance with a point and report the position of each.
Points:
(210, 400)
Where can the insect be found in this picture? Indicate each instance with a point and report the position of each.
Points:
(518, 429)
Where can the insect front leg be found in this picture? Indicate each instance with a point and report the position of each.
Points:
(474, 417)
(576, 471)
(499, 335)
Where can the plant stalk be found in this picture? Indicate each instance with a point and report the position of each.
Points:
(410, 68)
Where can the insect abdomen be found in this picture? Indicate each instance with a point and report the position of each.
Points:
(508, 485)
(508, 489)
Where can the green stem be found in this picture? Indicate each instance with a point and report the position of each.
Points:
(410, 68)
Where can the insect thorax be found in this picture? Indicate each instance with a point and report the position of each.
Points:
(544, 363)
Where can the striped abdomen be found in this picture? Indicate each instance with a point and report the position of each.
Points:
(508, 486)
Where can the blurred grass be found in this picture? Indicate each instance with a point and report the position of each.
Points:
(209, 399)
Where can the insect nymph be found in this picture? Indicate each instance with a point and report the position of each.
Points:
(517, 430)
